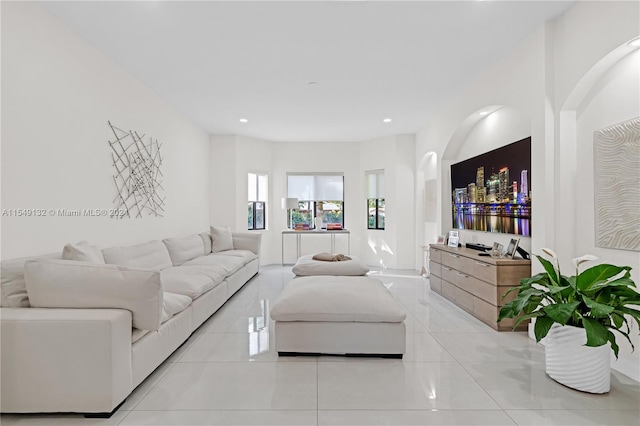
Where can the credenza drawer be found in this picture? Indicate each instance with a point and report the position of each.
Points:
(435, 255)
(464, 300)
(449, 274)
(435, 283)
(449, 290)
(452, 260)
(485, 272)
(464, 281)
(485, 291)
(435, 268)
(486, 312)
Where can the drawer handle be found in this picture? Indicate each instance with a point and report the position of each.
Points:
(446, 269)
(453, 255)
(482, 264)
(462, 275)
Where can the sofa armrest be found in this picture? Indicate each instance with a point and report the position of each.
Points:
(64, 360)
(247, 241)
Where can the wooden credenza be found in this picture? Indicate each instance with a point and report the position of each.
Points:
(476, 283)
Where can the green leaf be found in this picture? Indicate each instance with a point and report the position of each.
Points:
(526, 317)
(561, 312)
(612, 339)
(620, 282)
(618, 320)
(551, 270)
(598, 274)
(597, 334)
(598, 310)
(540, 279)
(554, 290)
(572, 281)
(542, 327)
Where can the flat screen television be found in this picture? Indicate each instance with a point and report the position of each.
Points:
(492, 192)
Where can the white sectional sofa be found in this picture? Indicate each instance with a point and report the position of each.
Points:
(80, 335)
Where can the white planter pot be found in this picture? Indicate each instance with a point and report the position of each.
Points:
(572, 364)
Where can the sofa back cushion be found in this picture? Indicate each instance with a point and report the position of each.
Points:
(184, 249)
(152, 255)
(72, 284)
(83, 252)
(221, 239)
(206, 238)
(13, 291)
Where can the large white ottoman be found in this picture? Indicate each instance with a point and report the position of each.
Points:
(353, 316)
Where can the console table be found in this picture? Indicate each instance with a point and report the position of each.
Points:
(476, 283)
(299, 235)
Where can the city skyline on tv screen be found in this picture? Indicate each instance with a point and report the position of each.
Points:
(492, 191)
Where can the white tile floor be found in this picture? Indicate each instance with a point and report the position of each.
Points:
(457, 371)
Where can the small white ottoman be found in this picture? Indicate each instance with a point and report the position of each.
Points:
(306, 266)
(353, 316)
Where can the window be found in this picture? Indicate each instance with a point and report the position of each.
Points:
(257, 206)
(375, 199)
(320, 195)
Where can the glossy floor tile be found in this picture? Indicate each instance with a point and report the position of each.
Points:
(456, 371)
(413, 417)
(235, 386)
(223, 418)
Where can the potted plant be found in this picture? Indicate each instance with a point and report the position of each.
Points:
(577, 315)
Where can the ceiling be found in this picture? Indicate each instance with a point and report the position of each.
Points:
(218, 62)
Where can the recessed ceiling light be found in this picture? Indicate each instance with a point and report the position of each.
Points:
(387, 120)
(312, 83)
(244, 120)
(635, 42)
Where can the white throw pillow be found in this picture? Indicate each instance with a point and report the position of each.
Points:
(184, 249)
(221, 239)
(82, 252)
(152, 255)
(206, 238)
(71, 284)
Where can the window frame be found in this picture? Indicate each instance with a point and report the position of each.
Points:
(374, 188)
(254, 201)
(313, 205)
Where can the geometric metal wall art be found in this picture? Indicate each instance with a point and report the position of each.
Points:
(616, 153)
(137, 176)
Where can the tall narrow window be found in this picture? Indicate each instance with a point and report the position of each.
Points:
(375, 199)
(257, 206)
(320, 198)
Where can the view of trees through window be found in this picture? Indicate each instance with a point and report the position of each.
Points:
(330, 211)
(257, 204)
(376, 213)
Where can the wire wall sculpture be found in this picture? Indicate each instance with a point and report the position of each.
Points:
(138, 175)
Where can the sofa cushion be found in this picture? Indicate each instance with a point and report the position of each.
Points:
(83, 252)
(246, 255)
(247, 241)
(206, 239)
(13, 291)
(183, 249)
(152, 255)
(191, 281)
(337, 299)
(71, 284)
(229, 264)
(221, 239)
(306, 266)
(173, 304)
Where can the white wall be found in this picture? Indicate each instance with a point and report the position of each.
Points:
(58, 92)
(608, 103)
(553, 78)
(503, 126)
(236, 156)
